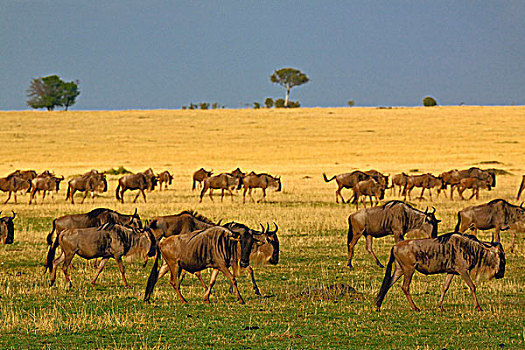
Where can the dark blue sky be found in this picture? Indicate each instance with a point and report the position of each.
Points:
(164, 54)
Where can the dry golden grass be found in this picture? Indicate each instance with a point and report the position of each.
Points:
(299, 145)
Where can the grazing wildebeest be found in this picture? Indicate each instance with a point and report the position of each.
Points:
(199, 250)
(165, 178)
(474, 184)
(368, 188)
(45, 182)
(451, 253)
(86, 183)
(7, 229)
(13, 184)
(184, 222)
(488, 174)
(347, 180)
(131, 182)
(199, 176)
(522, 187)
(497, 214)
(399, 180)
(392, 218)
(262, 181)
(379, 177)
(425, 181)
(153, 179)
(453, 177)
(110, 240)
(223, 182)
(95, 218)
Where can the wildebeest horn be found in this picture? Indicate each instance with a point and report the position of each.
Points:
(262, 228)
(426, 210)
(267, 227)
(521, 206)
(135, 213)
(276, 228)
(433, 210)
(219, 223)
(14, 215)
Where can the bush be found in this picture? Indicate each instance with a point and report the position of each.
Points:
(118, 171)
(351, 103)
(268, 102)
(294, 104)
(256, 105)
(279, 103)
(429, 102)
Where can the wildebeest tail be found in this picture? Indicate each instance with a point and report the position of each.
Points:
(50, 235)
(117, 191)
(153, 276)
(193, 187)
(459, 222)
(387, 281)
(30, 186)
(328, 179)
(51, 255)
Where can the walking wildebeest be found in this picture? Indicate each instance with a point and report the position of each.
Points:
(223, 182)
(165, 178)
(473, 183)
(184, 222)
(453, 177)
(451, 253)
(399, 180)
(7, 229)
(199, 176)
(86, 183)
(108, 241)
(132, 182)
(370, 188)
(238, 173)
(392, 218)
(199, 250)
(262, 181)
(497, 214)
(347, 180)
(153, 179)
(95, 218)
(522, 187)
(425, 181)
(45, 182)
(13, 184)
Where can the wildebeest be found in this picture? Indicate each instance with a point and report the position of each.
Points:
(184, 222)
(370, 188)
(45, 182)
(392, 218)
(165, 178)
(224, 182)
(347, 180)
(238, 173)
(25, 174)
(399, 180)
(107, 241)
(199, 176)
(7, 229)
(379, 177)
(451, 253)
(473, 183)
(262, 181)
(425, 181)
(13, 184)
(139, 181)
(522, 187)
(497, 214)
(453, 177)
(199, 250)
(94, 218)
(90, 182)
(518, 227)
(152, 178)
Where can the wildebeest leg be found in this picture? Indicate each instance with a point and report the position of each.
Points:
(369, 239)
(213, 278)
(163, 269)
(99, 270)
(448, 279)
(202, 193)
(231, 193)
(244, 195)
(422, 191)
(199, 276)
(67, 262)
(406, 287)
(252, 276)
(7, 200)
(211, 197)
(222, 194)
(136, 197)
(122, 194)
(121, 268)
(143, 195)
(496, 234)
(430, 194)
(250, 194)
(466, 277)
(353, 241)
(85, 195)
(229, 275)
(263, 198)
(338, 194)
(175, 274)
(474, 194)
(56, 262)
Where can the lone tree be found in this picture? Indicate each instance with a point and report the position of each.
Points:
(288, 78)
(429, 102)
(51, 91)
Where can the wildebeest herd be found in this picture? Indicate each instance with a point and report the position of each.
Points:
(189, 242)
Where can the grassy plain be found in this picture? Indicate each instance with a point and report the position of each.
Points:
(299, 145)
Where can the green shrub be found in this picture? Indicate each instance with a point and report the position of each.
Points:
(429, 102)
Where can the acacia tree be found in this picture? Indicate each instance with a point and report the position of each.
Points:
(288, 78)
(50, 92)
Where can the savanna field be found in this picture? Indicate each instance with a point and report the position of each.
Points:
(297, 308)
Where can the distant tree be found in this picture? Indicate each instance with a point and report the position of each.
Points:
(429, 102)
(351, 103)
(256, 105)
(216, 105)
(51, 92)
(204, 105)
(279, 103)
(268, 102)
(288, 78)
(294, 104)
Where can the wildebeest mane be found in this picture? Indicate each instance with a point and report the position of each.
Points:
(96, 212)
(197, 216)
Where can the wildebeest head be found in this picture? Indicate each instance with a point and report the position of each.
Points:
(271, 237)
(135, 221)
(57, 182)
(244, 235)
(430, 223)
(278, 181)
(104, 183)
(498, 249)
(382, 193)
(7, 229)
